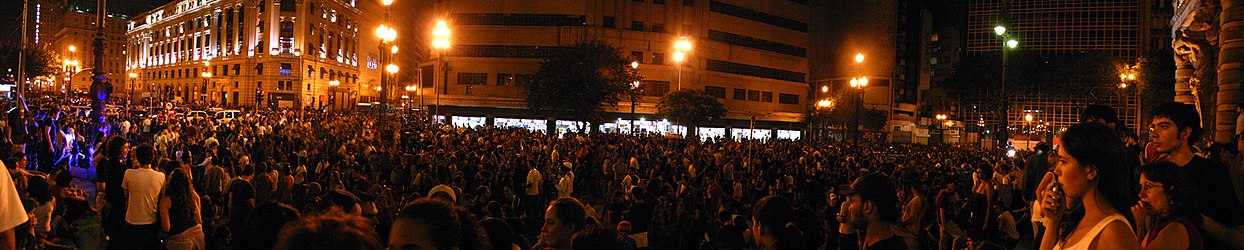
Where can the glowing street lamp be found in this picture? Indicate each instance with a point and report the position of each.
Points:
(859, 57)
(386, 2)
(681, 47)
(334, 83)
(999, 30)
(392, 68)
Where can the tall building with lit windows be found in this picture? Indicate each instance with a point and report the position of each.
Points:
(247, 53)
(750, 54)
(78, 28)
(1126, 29)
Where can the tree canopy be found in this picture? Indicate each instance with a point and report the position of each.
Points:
(39, 61)
(691, 107)
(579, 81)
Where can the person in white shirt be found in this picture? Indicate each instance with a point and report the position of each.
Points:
(12, 213)
(532, 191)
(142, 189)
(565, 185)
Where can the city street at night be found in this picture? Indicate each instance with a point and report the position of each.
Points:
(623, 124)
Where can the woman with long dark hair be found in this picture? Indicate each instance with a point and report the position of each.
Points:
(1083, 209)
(179, 211)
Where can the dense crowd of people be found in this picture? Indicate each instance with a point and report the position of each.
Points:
(332, 180)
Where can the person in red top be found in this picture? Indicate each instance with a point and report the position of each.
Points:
(1165, 208)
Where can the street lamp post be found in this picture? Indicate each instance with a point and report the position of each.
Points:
(1006, 107)
(858, 84)
(1027, 125)
(332, 95)
(681, 48)
(440, 42)
(130, 96)
(634, 96)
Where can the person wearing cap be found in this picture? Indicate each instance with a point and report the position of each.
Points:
(872, 207)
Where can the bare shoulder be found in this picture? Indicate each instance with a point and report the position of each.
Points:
(1117, 235)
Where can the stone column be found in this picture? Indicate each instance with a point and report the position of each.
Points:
(1230, 68)
(1183, 89)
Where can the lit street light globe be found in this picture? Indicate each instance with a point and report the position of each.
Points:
(999, 30)
(392, 68)
(1012, 43)
(859, 57)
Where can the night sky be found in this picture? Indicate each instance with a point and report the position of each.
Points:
(10, 20)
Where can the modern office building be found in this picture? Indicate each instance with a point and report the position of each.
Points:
(277, 54)
(1113, 27)
(751, 54)
(893, 38)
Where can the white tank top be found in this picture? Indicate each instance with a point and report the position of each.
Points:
(1087, 241)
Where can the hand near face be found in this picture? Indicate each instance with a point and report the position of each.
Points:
(1052, 206)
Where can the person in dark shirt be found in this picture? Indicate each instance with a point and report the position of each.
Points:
(109, 173)
(1173, 127)
(872, 207)
(17, 125)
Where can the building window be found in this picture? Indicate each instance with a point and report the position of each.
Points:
(519, 20)
(259, 69)
(288, 70)
(522, 79)
(237, 69)
(655, 88)
(757, 43)
(608, 22)
(472, 78)
(753, 95)
(688, 2)
(745, 13)
(740, 94)
(719, 92)
(658, 58)
(656, 27)
(637, 25)
(638, 56)
(766, 96)
(505, 79)
(658, 1)
(757, 71)
(788, 99)
(259, 85)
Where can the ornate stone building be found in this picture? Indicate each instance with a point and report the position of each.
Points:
(1209, 55)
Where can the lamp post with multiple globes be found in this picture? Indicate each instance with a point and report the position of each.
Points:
(857, 83)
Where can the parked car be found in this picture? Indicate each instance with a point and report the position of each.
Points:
(225, 116)
(197, 115)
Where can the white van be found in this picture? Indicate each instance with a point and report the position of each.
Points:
(225, 116)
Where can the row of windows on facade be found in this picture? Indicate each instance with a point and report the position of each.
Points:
(751, 95)
(610, 21)
(280, 86)
(647, 87)
(285, 69)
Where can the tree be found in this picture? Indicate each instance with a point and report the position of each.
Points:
(578, 82)
(39, 61)
(1156, 81)
(690, 107)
